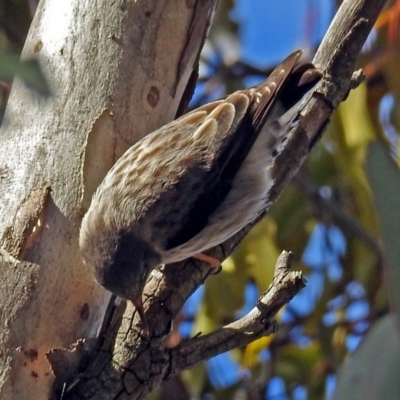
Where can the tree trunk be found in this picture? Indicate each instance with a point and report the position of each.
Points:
(117, 70)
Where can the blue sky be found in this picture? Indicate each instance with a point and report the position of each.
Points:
(271, 29)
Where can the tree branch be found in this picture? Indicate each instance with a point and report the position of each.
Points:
(257, 323)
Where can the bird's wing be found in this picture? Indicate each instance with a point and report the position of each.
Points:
(224, 134)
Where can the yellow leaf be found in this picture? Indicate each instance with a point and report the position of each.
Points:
(252, 353)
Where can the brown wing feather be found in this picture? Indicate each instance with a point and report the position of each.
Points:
(235, 144)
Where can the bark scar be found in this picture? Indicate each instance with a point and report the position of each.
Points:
(99, 155)
(28, 222)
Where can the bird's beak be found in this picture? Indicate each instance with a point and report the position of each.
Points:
(139, 307)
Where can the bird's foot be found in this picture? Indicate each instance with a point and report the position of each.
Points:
(208, 259)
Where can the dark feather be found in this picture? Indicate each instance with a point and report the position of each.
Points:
(217, 181)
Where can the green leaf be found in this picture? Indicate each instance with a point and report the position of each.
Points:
(373, 373)
(28, 70)
(384, 178)
(294, 363)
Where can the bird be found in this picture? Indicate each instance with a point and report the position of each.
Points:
(191, 184)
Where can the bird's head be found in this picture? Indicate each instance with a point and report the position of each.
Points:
(120, 261)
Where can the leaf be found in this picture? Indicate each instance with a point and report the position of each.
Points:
(195, 379)
(258, 253)
(28, 70)
(384, 178)
(292, 214)
(253, 350)
(223, 297)
(294, 363)
(353, 133)
(350, 133)
(373, 373)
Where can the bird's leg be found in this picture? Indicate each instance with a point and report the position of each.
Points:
(208, 259)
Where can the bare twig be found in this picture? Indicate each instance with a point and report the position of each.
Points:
(257, 323)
